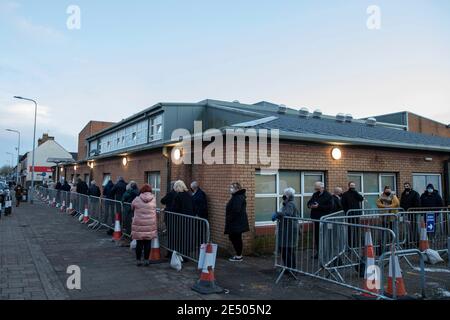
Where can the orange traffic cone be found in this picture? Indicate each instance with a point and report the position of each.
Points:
(207, 282)
(86, 215)
(70, 208)
(155, 253)
(423, 242)
(117, 235)
(371, 278)
(399, 284)
(54, 202)
(63, 206)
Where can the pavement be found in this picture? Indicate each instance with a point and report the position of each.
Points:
(38, 244)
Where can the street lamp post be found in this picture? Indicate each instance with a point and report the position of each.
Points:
(34, 144)
(18, 154)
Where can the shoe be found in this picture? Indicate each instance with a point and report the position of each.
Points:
(146, 263)
(139, 264)
(236, 259)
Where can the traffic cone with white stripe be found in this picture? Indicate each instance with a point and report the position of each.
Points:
(48, 200)
(371, 276)
(155, 253)
(54, 202)
(399, 283)
(117, 235)
(86, 215)
(207, 282)
(423, 241)
(70, 208)
(63, 206)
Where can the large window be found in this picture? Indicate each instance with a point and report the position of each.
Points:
(371, 185)
(422, 180)
(154, 179)
(270, 187)
(156, 128)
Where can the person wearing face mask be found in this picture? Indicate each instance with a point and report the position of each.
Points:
(236, 220)
(351, 199)
(431, 198)
(388, 199)
(409, 198)
(321, 204)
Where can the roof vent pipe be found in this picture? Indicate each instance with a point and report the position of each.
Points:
(317, 114)
(282, 109)
(348, 118)
(340, 117)
(372, 122)
(304, 112)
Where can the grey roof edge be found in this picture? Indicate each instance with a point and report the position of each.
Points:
(236, 109)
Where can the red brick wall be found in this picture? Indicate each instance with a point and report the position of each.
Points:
(427, 126)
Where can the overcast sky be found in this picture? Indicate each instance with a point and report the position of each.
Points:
(129, 55)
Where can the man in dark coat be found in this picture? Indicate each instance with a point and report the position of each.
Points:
(337, 199)
(94, 190)
(167, 200)
(351, 199)
(431, 198)
(108, 195)
(410, 198)
(236, 220)
(199, 201)
(66, 186)
(321, 204)
(119, 189)
(58, 186)
(107, 190)
(82, 187)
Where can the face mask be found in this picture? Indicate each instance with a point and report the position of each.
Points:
(430, 190)
(388, 193)
(284, 198)
(352, 189)
(407, 189)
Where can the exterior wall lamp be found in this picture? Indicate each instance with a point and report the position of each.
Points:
(124, 161)
(336, 154)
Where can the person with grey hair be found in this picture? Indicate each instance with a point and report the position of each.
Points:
(321, 204)
(199, 201)
(337, 199)
(288, 229)
(94, 190)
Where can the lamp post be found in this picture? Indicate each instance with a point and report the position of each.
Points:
(34, 144)
(18, 154)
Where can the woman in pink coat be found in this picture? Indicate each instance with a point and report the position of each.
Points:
(145, 226)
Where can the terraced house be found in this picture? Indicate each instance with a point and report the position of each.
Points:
(312, 147)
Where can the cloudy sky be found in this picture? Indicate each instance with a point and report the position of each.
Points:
(131, 54)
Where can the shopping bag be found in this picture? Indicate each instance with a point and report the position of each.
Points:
(133, 245)
(177, 261)
(8, 204)
(432, 256)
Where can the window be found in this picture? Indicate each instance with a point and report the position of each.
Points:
(270, 187)
(422, 180)
(154, 179)
(155, 128)
(371, 185)
(106, 178)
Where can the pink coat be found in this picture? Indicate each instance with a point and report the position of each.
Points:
(145, 226)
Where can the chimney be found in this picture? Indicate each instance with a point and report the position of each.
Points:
(44, 139)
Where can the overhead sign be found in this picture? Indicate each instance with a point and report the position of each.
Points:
(41, 169)
(431, 223)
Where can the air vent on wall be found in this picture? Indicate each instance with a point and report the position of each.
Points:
(304, 112)
(372, 122)
(340, 117)
(317, 114)
(348, 118)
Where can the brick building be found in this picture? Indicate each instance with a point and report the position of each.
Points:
(373, 154)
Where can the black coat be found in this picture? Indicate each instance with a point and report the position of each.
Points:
(433, 200)
(107, 190)
(94, 191)
(236, 220)
(351, 200)
(58, 186)
(325, 201)
(66, 187)
(130, 195)
(200, 204)
(410, 200)
(82, 188)
(337, 203)
(167, 201)
(118, 190)
(182, 203)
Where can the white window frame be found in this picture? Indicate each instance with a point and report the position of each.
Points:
(278, 193)
(152, 137)
(380, 185)
(156, 191)
(428, 174)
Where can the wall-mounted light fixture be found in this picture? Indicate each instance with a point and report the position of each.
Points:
(336, 154)
(124, 161)
(75, 168)
(428, 159)
(177, 153)
(62, 169)
(91, 164)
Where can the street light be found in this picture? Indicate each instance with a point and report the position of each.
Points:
(18, 154)
(34, 144)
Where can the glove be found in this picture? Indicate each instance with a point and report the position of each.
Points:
(274, 217)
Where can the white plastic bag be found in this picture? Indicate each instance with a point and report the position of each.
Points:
(432, 256)
(133, 245)
(177, 261)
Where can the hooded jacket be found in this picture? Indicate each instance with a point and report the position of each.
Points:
(144, 226)
(431, 200)
(236, 220)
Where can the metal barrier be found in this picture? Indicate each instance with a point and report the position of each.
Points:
(429, 209)
(299, 240)
(358, 212)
